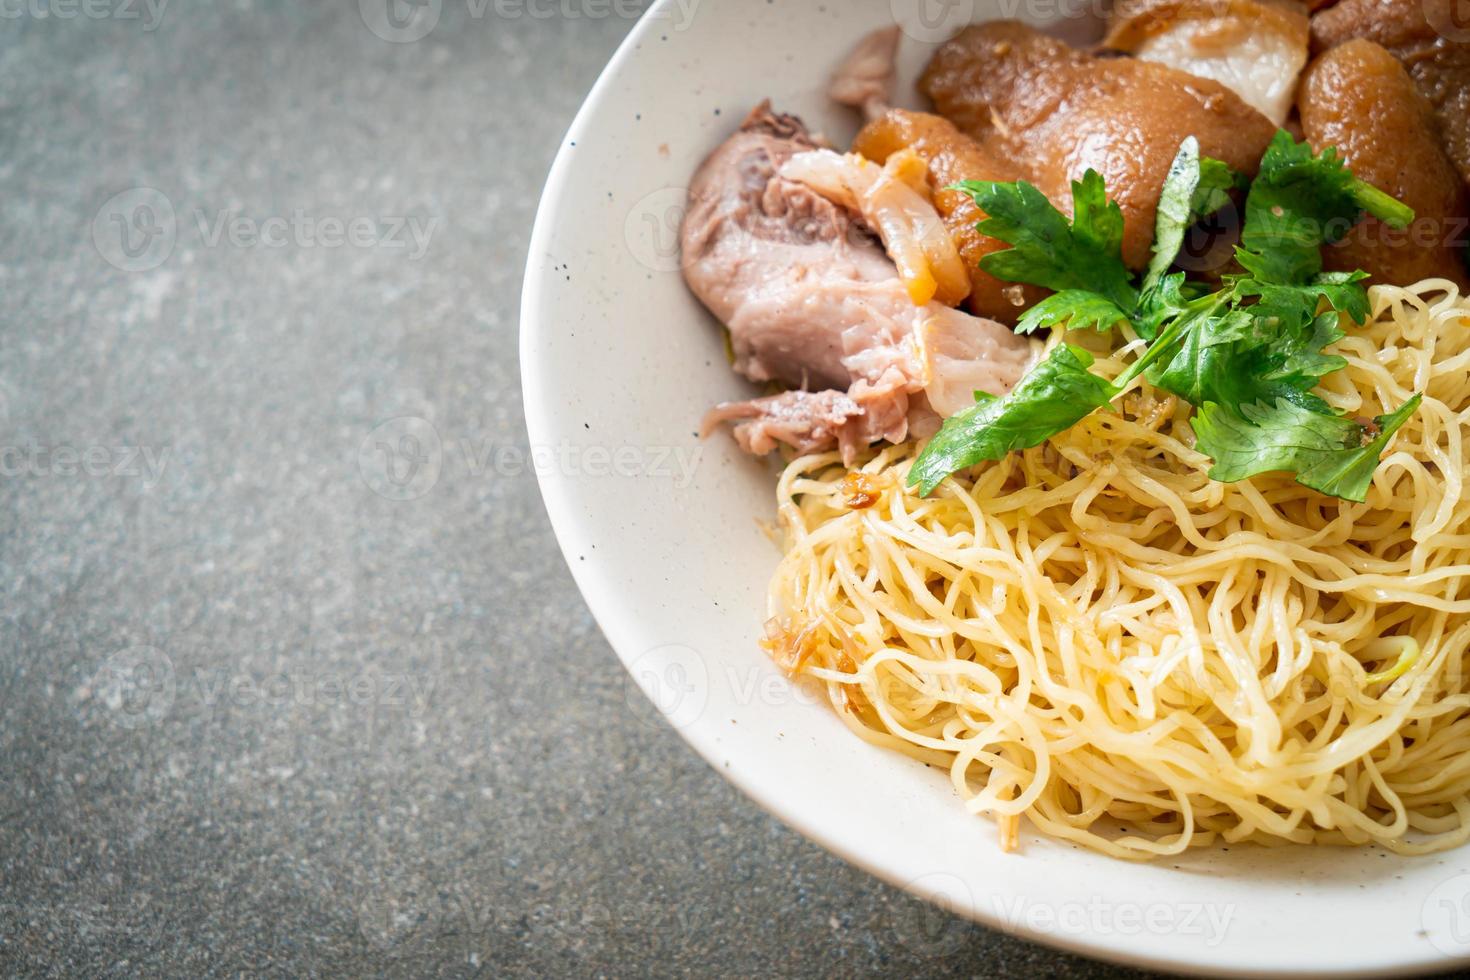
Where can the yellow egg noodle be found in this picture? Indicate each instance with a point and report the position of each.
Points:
(1094, 635)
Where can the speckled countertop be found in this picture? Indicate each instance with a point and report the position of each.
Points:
(259, 715)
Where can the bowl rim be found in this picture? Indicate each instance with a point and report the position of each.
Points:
(620, 629)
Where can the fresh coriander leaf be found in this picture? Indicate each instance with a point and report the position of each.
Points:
(1195, 187)
(1209, 362)
(1046, 249)
(1167, 299)
(1270, 349)
(1329, 453)
(1249, 355)
(1173, 336)
(1277, 309)
(1299, 202)
(1217, 179)
(1343, 291)
(1241, 355)
(1079, 309)
(1296, 362)
(1057, 393)
(1176, 210)
(1265, 345)
(1096, 221)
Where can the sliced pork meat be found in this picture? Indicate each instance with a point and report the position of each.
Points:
(957, 360)
(865, 79)
(953, 157)
(750, 240)
(1256, 48)
(892, 198)
(1431, 38)
(813, 421)
(1029, 98)
(812, 302)
(1358, 98)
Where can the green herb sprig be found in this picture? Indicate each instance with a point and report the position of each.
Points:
(1248, 353)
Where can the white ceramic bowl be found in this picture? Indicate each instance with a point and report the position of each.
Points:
(664, 535)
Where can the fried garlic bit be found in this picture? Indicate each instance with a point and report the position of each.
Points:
(861, 490)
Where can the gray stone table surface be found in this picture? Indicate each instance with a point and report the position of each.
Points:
(255, 717)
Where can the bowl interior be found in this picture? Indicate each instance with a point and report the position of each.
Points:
(667, 537)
